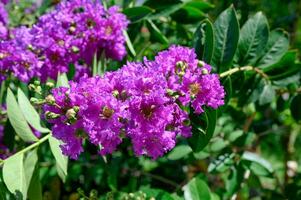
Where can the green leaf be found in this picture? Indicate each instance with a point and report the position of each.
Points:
(214, 196)
(29, 165)
(286, 67)
(277, 46)
(203, 41)
(295, 108)
(163, 8)
(226, 30)
(201, 5)
(222, 163)
(17, 118)
(62, 80)
(268, 95)
(179, 152)
(156, 193)
(196, 189)
(35, 187)
(136, 14)
(188, 15)
(252, 157)
(234, 180)
(253, 38)
(61, 160)
(30, 113)
(202, 130)
(156, 34)
(129, 43)
(14, 176)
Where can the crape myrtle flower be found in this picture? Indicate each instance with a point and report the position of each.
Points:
(17, 57)
(146, 102)
(3, 22)
(80, 71)
(61, 110)
(76, 30)
(4, 151)
(189, 78)
(73, 32)
(101, 113)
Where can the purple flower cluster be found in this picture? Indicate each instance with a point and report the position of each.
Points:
(75, 31)
(144, 102)
(3, 22)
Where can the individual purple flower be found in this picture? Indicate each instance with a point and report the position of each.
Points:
(80, 71)
(61, 110)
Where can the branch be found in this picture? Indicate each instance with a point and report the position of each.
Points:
(36, 144)
(245, 68)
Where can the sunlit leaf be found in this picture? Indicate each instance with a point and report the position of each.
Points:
(17, 119)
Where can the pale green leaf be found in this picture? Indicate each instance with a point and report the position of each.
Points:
(17, 119)
(14, 176)
(30, 113)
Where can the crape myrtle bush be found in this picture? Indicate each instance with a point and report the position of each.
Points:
(154, 99)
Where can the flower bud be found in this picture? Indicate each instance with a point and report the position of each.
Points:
(201, 63)
(50, 85)
(205, 71)
(36, 101)
(115, 93)
(180, 64)
(72, 29)
(71, 114)
(37, 83)
(75, 49)
(51, 115)
(50, 99)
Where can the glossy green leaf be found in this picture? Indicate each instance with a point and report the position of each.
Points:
(277, 46)
(136, 14)
(17, 119)
(188, 15)
(226, 31)
(252, 157)
(129, 43)
(156, 193)
(196, 189)
(253, 38)
(163, 8)
(201, 5)
(14, 176)
(61, 160)
(268, 95)
(234, 180)
(203, 41)
(202, 130)
(62, 80)
(179, 152)
(286, 67)
(156, 34)
(30, 113)
(295, 107)
(222, 163)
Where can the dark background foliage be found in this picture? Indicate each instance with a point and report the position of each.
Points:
(248, 149)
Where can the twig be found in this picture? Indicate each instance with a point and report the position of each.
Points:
(245, 68)
(40, 141)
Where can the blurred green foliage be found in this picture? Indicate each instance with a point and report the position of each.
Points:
(248, 149)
